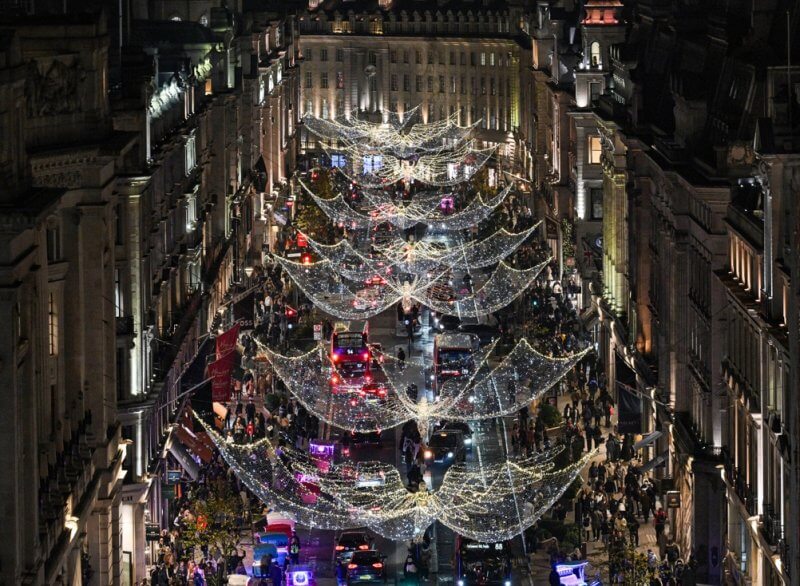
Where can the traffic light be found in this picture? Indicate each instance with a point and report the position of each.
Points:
(305, 258)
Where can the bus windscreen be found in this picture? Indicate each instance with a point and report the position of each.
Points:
(349, 340)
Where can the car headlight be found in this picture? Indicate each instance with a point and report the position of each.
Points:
(428, 454)
(468, 441)
(449, 454)
(507, 583)
(461, 583)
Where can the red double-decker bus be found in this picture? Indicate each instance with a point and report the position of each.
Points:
(350, 353)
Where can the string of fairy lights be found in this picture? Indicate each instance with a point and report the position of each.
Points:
(483, 500)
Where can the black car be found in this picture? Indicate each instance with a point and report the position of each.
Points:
(358, 438)
(445, 322)
(365, 567)
(446, 447)
(462, 426)
(350, 542)
(486, 333)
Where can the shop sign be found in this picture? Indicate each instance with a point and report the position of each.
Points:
(174, 476)
(152, 532)
(317, 331)
(673, 499)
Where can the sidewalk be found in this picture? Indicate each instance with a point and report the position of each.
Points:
(596, 553)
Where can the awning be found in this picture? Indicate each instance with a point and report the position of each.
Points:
(646, 440)
(655, 462)
(181, 454)
(244, 311)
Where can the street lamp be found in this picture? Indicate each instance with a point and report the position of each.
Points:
(248, 271)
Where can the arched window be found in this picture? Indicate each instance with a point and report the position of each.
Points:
(596, 59)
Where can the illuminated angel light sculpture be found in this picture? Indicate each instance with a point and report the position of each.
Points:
(325, 287)
(492, 390)
(491, 502)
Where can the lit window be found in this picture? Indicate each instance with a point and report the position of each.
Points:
(483, 58)
(595, 150)
(204, 20)
(52, 324)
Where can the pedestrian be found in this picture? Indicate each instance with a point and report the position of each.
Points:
(587, 525)
(424, 561)
(294, 548)
(659, 521)
(646, 504)
(597, 521)
(633, 529)
(410, 572)
(401, 358)
(276, 574)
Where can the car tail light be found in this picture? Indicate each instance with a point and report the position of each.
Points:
(351, 566)
(334, 357)
(365, 356)
(377, 565)
(381, 392)
(363, 547)
(340, 548)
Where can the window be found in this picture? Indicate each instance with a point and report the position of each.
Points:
(393, 82)
(406, 82)
(483, 86)
(405, 56)
(339, 80)
(376, 26)
(392, 56)
(441, 58)
(430, 57)
(596, 201)
(190, 154)
(204, 20)
(452, 57)
(594, 90)
(491, 59)
(54, 243)
(309, 107)
(323, 54)
(430, 83)
(500, 87)
(52, 324)
(419, 83)
(492, 88)
(463, 85)
(463, 58)
(373, 58)
(596, 59)
(323, 79)
(338, 160)
(452, 84)
(309, 80)
(419, 57)
(308, 54)
(372, 163)
(483, 59)
(441, 84)
(339, 55)
(324, 108)
(473, 60)
(474, 83)
(595, 150)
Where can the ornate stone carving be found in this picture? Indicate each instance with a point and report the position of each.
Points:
(52, 88)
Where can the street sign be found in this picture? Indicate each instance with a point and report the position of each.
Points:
(152, 532)
(174, 476)
(673, 499)
(317, 331)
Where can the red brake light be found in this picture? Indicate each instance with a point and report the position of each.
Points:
(382, 392)
(340, 548)
(351, 566)
(334, 357)
(377, 565)
(363, 547)
(365, 356)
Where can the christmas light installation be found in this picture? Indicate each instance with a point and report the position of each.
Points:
(491, 390)
(490, 502)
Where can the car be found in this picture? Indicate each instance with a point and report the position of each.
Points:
(355, 438)
(369, 477)
(374, 392)
(486, 333)
(365, 567)
(445, 447)
(446, 322)
(368, 298)
(351, 541)
(462, 426)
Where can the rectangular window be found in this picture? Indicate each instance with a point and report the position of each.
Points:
(393, 56)
(309, 107)
(325, 111)
(419, 57)
(596, 198)
(500, 87)
(308, 54)
(463, 85)
(339, 80)
(323, 55)
(594, 91)
(309, 80)
(441, 57)
(452, 57)
(393, 82)
(474, 82)
(54, 244)
(405, 56)
(463, 58)
(473, 59)
(441, 84)
(406, 82)
(491, 59)
(492, 88)
(430, 57)
(339, 55)
(324, 80)
(430, 83)
(190, 154)
(52, 324)
(373, 58)
(452, 84)
(483, 86)
(419, 83)
(595, 150)
(483, 58)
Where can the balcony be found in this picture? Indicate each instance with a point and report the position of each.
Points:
(738, 482)
(690, 441)
(771, 527)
